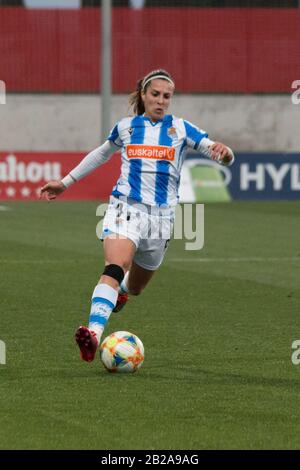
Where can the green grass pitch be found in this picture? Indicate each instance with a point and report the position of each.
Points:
(217, 326)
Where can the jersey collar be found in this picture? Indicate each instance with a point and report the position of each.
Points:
(166, 118)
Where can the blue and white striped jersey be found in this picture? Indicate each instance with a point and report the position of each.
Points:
(152, 157)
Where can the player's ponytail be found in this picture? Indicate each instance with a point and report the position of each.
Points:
(135, 99)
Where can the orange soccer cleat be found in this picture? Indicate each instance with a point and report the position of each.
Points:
(87, 342)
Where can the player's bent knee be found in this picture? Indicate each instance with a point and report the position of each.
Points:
(115, 271)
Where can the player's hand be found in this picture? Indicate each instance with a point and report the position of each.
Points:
(51, 190)
(221, 153)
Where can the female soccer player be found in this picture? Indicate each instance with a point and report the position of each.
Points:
(140, 215)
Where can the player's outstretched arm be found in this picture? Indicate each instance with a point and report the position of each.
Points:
(217, 151)
(51, 190)
(221, 153)
(92, 161)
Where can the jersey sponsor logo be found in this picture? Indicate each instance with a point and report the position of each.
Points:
(155, 152)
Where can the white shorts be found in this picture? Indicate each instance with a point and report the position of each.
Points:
(149, 227)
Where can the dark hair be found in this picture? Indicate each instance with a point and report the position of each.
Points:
(135, 99)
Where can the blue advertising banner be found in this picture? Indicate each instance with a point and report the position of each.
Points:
(265, 176)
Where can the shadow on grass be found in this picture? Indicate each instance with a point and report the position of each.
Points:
(191, 376)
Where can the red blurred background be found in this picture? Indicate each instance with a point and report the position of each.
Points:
(207, 49)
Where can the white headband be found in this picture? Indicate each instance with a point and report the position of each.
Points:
(155, 77)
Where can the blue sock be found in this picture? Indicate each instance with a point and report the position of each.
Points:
(103, 301)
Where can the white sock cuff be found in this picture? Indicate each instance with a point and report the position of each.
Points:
(106, 292)
(124, 285)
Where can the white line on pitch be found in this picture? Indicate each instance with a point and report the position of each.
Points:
(4, 208)
(173, 260)
(231, 260)
(37, 261)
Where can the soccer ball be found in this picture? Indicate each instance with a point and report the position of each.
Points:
(122, 352)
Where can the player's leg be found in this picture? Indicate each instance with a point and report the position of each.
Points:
(134, 283)
(118, 254)
(137, 279)
(146, 261)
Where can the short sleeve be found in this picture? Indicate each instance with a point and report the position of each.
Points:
(115, 137)
(194, 135)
